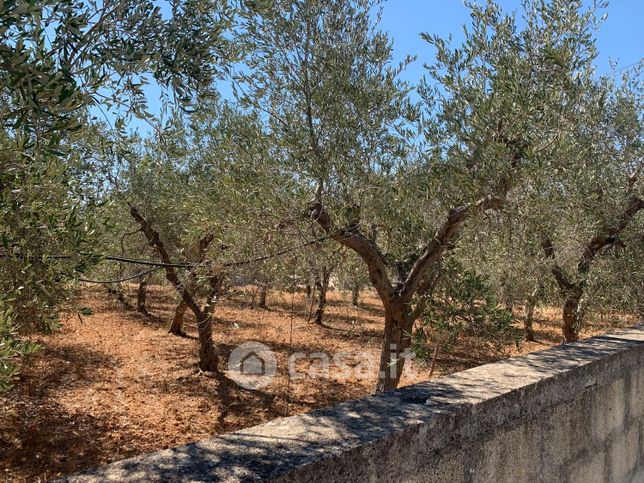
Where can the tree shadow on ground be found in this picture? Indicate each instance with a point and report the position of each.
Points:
(40, 434)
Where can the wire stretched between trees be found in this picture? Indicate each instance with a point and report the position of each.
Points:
(142, 274)
(160, 265)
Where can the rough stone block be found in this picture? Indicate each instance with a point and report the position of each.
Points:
(642, 444)
(447, 467)
(636, 400)
(609, 409)
(624, 454)
(591, 469)
(508, 456)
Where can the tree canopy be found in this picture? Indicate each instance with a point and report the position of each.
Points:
(511, 173)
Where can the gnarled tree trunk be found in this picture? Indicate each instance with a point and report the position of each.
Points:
(571, 314)
(530, 305)
(397, 339)
(263, 291)
(207, 354)
(177, 321)
(141, 296)
(355, 295)
(413, 275)
(529, 318)
(321, 285)
(572, 289)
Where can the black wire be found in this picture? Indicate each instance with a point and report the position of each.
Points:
(276, 254)
(149, 262)
(121, 279)
(160, 265)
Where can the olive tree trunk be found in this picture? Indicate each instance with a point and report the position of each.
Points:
(572, 288)
(530, 305)
(571, 315)
(355, 295)
(396, 342)
(529, 318)
(263, 292)
(322, 286)
(413, 276)
(208, 358)
(177, 321)
(208, 354)
(141, 296)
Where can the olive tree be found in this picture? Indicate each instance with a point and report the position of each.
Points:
(495, 110)
(563, 234)
(595, 204)
(58, 61)
(195, 193)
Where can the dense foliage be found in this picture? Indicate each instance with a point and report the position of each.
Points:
(509, 176)
(61, 62)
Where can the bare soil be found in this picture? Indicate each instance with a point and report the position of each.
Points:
(116, 384)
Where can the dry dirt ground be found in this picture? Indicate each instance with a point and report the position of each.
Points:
(115, 384)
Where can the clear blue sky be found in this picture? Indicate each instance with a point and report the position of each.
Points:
(620, 38)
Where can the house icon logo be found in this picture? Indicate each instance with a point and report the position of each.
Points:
(252, 365)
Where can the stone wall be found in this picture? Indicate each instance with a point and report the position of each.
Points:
(573, 413)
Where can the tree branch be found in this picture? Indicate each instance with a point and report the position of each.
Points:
(352, 238)
(154, 240)
(447, 234)
(608, 234)
(557, 271)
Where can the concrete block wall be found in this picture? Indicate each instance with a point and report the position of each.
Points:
(573, 414)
